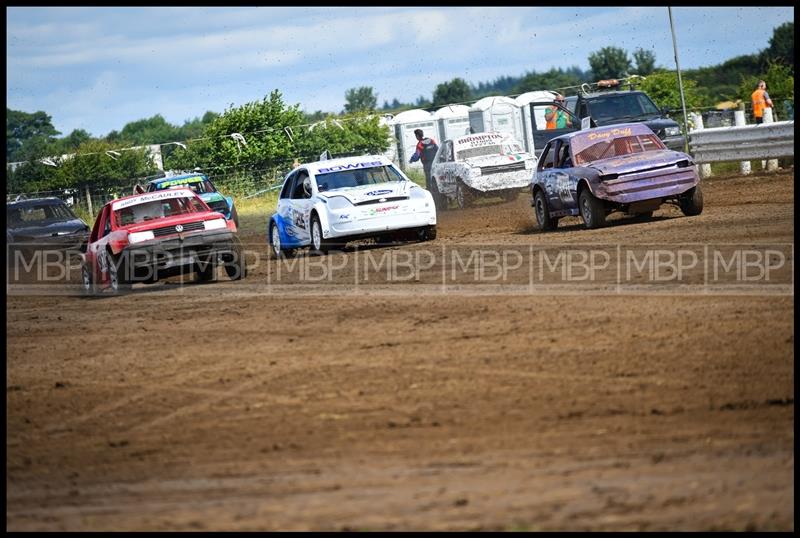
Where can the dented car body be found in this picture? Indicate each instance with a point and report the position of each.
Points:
(625, 167)
(481, 164)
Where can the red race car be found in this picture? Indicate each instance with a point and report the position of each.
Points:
(145, 237)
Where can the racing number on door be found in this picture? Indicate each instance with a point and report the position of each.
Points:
(563, 188)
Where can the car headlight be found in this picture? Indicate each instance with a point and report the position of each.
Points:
(138, 237)
(672, 131)
(216, 224)
(339, 202)
(417, 193)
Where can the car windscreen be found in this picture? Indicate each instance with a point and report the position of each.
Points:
(31, 215)
(618, 147)
(620, 107)
(481, 151)
(157, 209)
(342, 179)
(198, 184)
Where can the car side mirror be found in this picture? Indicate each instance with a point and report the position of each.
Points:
(664, 111)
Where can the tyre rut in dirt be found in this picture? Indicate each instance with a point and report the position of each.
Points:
(592, 209)
(692, 202)
(546, 222)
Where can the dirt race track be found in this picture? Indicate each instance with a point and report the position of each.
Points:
(210, 407)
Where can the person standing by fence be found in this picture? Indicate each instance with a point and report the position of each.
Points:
(426, 151)
(761, 101)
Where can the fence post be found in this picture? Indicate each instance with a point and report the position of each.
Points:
(89, 202)
(705, 169)
(738, 116)
(772, 164)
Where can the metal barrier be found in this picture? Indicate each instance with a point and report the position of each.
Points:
(747, 142)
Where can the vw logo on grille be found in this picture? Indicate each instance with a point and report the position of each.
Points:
(179, 228)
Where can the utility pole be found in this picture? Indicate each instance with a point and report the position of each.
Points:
(680, 84)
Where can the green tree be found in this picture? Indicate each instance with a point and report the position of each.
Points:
(550, 80)
(781, 45)
(454, 91)
(149, 131)
(360, 99)
(609, 62)
(663, 88)
(22, 127)
(645, 61)
(780, 87)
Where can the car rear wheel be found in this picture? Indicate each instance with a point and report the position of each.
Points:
(543, 218)
(592, 210)
(237, 268)
(692, 202)
(275, 244)
(463, 195)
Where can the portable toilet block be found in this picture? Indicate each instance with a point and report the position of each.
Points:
(499, 114)
(453, 122)
(404, 125)
(527, 123)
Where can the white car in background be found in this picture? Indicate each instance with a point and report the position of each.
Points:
(327, 203)
(478, 165)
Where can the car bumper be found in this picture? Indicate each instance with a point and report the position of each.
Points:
(648, 185)
(500, 181)
(173, 255)
(365, 226)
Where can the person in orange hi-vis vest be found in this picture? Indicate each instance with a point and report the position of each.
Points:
(761, 101)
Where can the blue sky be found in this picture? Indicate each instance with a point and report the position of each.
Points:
(99, 68)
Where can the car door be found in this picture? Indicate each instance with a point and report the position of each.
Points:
(564, 181)
(301, 204)
(284, 208)
(96, 255)
(541, 134)
(545, 175)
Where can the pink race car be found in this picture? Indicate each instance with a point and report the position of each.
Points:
(145, 237)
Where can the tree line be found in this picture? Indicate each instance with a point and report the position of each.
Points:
(32, 136)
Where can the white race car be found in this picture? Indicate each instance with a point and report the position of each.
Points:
(480, 164)
(327, 203)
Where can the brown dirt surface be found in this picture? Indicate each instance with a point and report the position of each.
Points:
(223, 406)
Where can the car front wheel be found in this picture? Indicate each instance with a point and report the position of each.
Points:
(117, 275)
(463, 196)
(592, 210)
(318, 243)
(87, 282)
(545, 221)
(692, 202)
